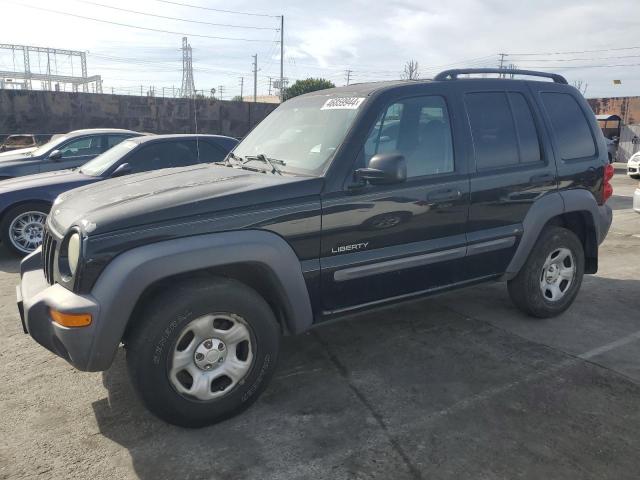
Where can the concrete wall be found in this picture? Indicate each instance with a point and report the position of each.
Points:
(59, 112)
(627, 108)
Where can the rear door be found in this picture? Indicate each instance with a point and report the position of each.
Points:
(512, 166)
(384, 242)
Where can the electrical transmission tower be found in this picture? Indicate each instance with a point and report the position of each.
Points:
(188, 86)
(40, 64)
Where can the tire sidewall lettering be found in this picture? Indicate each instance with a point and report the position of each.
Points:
(158, 351)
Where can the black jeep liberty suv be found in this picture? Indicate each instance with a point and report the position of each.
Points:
(340, 200)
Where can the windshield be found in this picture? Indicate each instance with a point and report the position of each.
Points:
(302, 133)
(50, 145)
(102, 163)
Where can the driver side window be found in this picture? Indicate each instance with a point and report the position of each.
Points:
(420, 130)
(82, 146)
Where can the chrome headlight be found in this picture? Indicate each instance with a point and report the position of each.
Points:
(73, 252)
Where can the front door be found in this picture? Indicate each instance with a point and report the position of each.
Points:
(382, 242)
(75, 153)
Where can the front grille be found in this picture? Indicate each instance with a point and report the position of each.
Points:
(48, 253)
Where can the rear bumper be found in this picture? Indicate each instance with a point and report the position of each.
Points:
(35, 299)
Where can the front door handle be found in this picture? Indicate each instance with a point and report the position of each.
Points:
(444, 195)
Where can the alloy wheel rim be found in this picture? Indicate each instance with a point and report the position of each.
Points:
(558, 274)
(26, 231)
(213, 354)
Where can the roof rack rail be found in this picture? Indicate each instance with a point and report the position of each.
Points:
(453, 74)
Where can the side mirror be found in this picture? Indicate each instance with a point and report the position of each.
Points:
(55, 155)
(384, 169)
(121, 170)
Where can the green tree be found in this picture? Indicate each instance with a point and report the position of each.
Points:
(237, 98)
(306, 86)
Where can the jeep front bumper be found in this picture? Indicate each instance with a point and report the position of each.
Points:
(36, 298)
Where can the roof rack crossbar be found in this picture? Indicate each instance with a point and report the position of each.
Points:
(453, 74)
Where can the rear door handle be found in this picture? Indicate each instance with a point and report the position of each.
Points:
(542, 178)
(444, 195)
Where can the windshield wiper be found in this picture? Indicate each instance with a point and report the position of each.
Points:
(227, 162)
(269, 161)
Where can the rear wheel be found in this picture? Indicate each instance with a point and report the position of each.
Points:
(550, 279)
(203, 351)
(22, 227)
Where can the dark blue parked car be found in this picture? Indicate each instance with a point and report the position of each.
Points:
(62, 151)
(26, 201)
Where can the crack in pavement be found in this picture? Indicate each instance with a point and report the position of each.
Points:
(344, 373)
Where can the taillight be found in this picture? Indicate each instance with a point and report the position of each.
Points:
(607, 188)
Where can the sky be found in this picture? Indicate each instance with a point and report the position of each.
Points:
(591, 41)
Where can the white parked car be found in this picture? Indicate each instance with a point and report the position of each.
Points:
(633, 166)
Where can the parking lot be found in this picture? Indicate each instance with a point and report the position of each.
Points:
(460, 385)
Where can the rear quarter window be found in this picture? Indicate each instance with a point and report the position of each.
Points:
(570, 126)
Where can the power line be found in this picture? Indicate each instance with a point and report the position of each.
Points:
(218, 9)
(175, 18)
(577, 52)
(136, 26)
(563, 67)
(576, 59)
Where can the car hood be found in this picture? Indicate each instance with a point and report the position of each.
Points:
(19, 152)
(176, 193)
(9, 158)
(48, 179)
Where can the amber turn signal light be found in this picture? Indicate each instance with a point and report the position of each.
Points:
(70, 319)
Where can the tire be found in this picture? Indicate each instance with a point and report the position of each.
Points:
(534, 287)
(163, 334)
(13, 215)
(635, 177)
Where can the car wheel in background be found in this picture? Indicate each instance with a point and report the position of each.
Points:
(22, 227)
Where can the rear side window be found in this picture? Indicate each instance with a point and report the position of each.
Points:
(115, 139)
(526, 129)
(167, 154)
(504, 131)
(570, 126)
(210, 153)
(493, 130)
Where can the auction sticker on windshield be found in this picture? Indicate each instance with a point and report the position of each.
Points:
(343, 103)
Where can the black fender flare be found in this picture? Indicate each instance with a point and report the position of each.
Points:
(124, 280)
(550, 206)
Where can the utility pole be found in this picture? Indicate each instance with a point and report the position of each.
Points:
(348, 75)
(241, 89)
(282, 58)
(501, 66)
(270, 79)
(220, 90)
(255, 78)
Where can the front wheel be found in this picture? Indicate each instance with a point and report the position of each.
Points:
(204, 351)
(550, 279)
(22, 227)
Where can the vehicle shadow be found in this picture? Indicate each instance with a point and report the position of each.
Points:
(620, 202)
(356, 398)
(9, 263)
